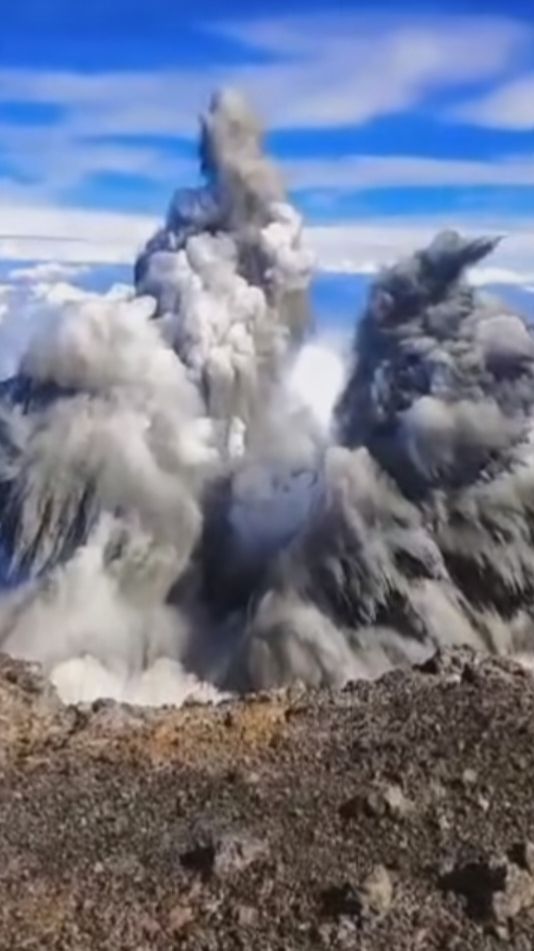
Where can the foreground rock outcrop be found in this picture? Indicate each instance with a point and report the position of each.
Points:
(397, 815)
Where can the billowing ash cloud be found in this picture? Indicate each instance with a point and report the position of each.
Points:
(229, 270)
(184, 512)
(425, 532)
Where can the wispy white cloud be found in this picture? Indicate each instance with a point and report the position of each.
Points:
(324, 71)
(320, 71)
(55, 160)
(337, 70)
(54, 170)
(392, 171)
(501, 275)
(47, 272)
(510, 106)
(115, 102)
(71, 235)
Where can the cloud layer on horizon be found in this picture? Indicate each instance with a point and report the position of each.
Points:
(77, 236)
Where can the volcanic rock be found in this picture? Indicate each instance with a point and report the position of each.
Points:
(227, 827)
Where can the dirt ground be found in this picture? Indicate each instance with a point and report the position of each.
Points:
(396, 815)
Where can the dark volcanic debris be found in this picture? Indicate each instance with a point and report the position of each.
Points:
(395, 815)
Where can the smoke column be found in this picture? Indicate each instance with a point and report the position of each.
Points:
(229, 271)
(424, 536)
(181, 515)
(127, 418)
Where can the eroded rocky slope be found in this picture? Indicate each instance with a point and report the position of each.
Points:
(390, 815)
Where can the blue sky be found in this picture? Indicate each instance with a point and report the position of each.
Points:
(389, 122)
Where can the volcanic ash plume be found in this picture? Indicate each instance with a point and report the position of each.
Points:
(425, 534)
(101, 505)
(183, 512)
(229, 271)
(124, 418)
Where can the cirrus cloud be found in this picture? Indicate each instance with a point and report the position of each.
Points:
(510, 106)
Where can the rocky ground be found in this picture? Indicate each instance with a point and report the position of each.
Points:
(395, 815)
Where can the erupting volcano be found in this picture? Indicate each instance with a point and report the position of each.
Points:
(181, 517)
